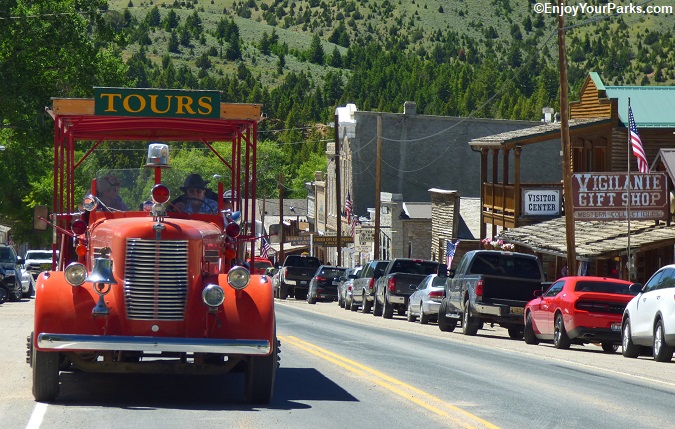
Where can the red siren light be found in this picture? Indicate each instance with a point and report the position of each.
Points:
(160, 194)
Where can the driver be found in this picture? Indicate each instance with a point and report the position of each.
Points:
(194, 198)
(107, 190)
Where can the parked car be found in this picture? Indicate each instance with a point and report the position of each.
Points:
(398, 281)
(426, 300)
(490, 286)
(346, 280)
(324, 284)
(10, 286)
(260, 265)
(363, 289)
(649, 318)
(578, 310)
(295, 275)
(27, 283)
(37, 261)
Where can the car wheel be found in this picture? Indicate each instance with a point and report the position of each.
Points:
(516, 333)
(45, 375)
(528, 333)
(628, 348)
(3, 295)
(377, 309)
(662, 351)
(387, 309)
(424, 318)
(17, 294)
(469, 325)
(411, 317)
(560, 338)
(260, 375)
(609, 347)
(348, 304)
(445, 324)
(341, 302)
(311, 299)
(365, 304)
(283, 292)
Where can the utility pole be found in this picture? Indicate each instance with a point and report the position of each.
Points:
(378, 185)
(282, 256)
(567, 151)
(338, 193)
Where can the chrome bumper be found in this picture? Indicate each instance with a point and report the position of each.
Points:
(152, 344)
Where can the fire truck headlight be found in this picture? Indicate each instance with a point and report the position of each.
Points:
(213, 295)
(75, 274)
(238, 277)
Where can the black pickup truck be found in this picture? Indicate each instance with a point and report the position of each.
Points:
(398, 281)
(490, 286)
(295, 275)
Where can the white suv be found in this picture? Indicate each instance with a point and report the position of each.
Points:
(37, 261)
(649, 318)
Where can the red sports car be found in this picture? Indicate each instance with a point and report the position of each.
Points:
(578, 310)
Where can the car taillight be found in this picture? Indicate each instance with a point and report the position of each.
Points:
(479, 288)
(371, 283)
(321, 279)
(349, 287)
(436, 294)
(392, 285)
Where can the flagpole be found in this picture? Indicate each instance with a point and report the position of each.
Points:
(628, 262)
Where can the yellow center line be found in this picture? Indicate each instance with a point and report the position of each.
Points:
(398, 387)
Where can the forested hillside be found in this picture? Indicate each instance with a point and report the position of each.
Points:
(301, 59)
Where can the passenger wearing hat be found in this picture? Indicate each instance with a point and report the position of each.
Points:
(194, 198)
(107, 191)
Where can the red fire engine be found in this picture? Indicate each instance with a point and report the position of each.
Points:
(148, 285)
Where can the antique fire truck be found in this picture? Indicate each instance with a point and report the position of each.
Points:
(152, 287)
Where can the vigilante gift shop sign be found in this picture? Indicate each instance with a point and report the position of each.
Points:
(606, 196)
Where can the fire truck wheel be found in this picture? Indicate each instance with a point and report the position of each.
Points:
(260, 376)
(45, 376)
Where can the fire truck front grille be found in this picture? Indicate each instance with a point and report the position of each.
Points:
(156, 279)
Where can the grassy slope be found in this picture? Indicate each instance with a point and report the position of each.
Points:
(468, 17)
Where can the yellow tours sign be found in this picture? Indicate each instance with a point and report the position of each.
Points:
(171, 103)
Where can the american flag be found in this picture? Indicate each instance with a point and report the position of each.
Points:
(352, 225)
(265, 248)
(450, 248)
(348, 208)
(636, 143)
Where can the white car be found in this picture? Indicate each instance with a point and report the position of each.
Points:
(37, 261)
(426, 299)
(649, 318)
(27, 283)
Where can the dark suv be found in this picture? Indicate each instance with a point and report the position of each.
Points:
(10, 285)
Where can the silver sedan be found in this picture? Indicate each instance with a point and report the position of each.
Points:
(426, 300)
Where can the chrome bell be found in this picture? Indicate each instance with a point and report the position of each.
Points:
(102, 272)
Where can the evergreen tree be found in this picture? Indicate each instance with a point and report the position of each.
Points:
(315, 53)
(173, 43)
(336, 59)
(153, 18)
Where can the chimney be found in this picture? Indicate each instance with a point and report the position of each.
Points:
(410, 108)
